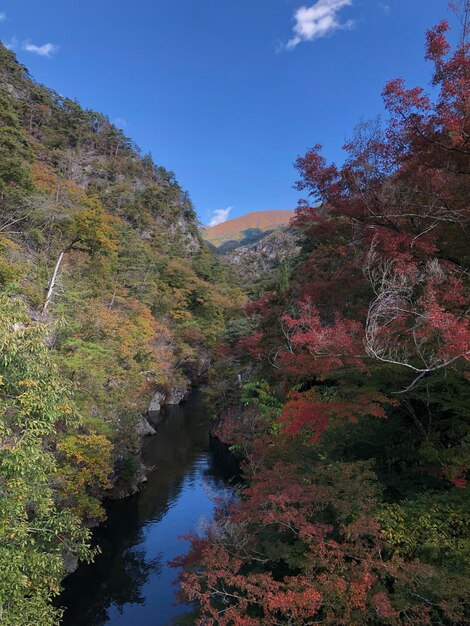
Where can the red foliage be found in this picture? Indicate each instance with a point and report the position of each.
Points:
(272, 561)
(329, 346)
(309, 410)
(390, 230)
(250, 345)
(258, 306)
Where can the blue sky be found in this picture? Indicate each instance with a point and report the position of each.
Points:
(226, 93)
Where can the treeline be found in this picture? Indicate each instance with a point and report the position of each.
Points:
(108, 294)
(354, 420)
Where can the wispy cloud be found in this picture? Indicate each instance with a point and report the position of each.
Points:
(120, 123)
(46, 50)
(12, 44)
(385, 7)
(220, 216)
(319, 20)
(3, 16)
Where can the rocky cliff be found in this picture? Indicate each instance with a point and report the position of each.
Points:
(263, 257)
(256, 245)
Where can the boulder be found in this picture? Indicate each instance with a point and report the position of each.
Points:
(70, 562)
(204, 365)
(173, 395)
(156, 402)
(144, 429)
(129, 475)
(177, 394)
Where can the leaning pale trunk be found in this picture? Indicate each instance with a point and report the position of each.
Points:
(53, 282)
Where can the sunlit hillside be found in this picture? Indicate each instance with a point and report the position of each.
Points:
(242, 227)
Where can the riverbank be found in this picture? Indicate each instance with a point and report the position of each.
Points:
(131, 581)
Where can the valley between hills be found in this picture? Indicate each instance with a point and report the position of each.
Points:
(299, 379)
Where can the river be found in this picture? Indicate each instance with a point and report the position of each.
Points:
(131, 583)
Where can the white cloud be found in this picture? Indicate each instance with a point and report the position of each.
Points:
(11, 45)
(46, 50)
(3, 16)
(319, 20)
(385, 7)
(220, 216)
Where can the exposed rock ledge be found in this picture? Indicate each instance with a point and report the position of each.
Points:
(144, 429)
(172, 396)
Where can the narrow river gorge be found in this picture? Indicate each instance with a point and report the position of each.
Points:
(131, 582)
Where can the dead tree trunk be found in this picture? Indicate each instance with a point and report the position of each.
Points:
(53, 282)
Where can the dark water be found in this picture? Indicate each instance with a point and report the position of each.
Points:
(130, 583)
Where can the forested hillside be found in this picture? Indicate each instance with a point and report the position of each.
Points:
(353, 422)
(108, 295)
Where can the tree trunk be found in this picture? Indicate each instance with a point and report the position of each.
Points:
(53, 282)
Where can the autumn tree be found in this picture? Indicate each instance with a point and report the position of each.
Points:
(90, 230)
(390, 221)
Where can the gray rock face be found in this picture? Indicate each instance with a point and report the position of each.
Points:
(144, 429)
(70, 562)
(140, 478)
(174, 395)
(156, 402)
(124, 483)
(263, 257)
(204, 365)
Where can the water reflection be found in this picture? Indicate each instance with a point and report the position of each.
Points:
(130, 582)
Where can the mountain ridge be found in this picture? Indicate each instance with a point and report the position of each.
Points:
(256, 223)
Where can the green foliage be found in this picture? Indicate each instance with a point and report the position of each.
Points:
(35, 531)
(15, 152)
(433, 526)
(258, 394)
(238, 327)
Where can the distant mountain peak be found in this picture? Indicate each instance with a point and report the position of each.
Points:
(246, 228)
